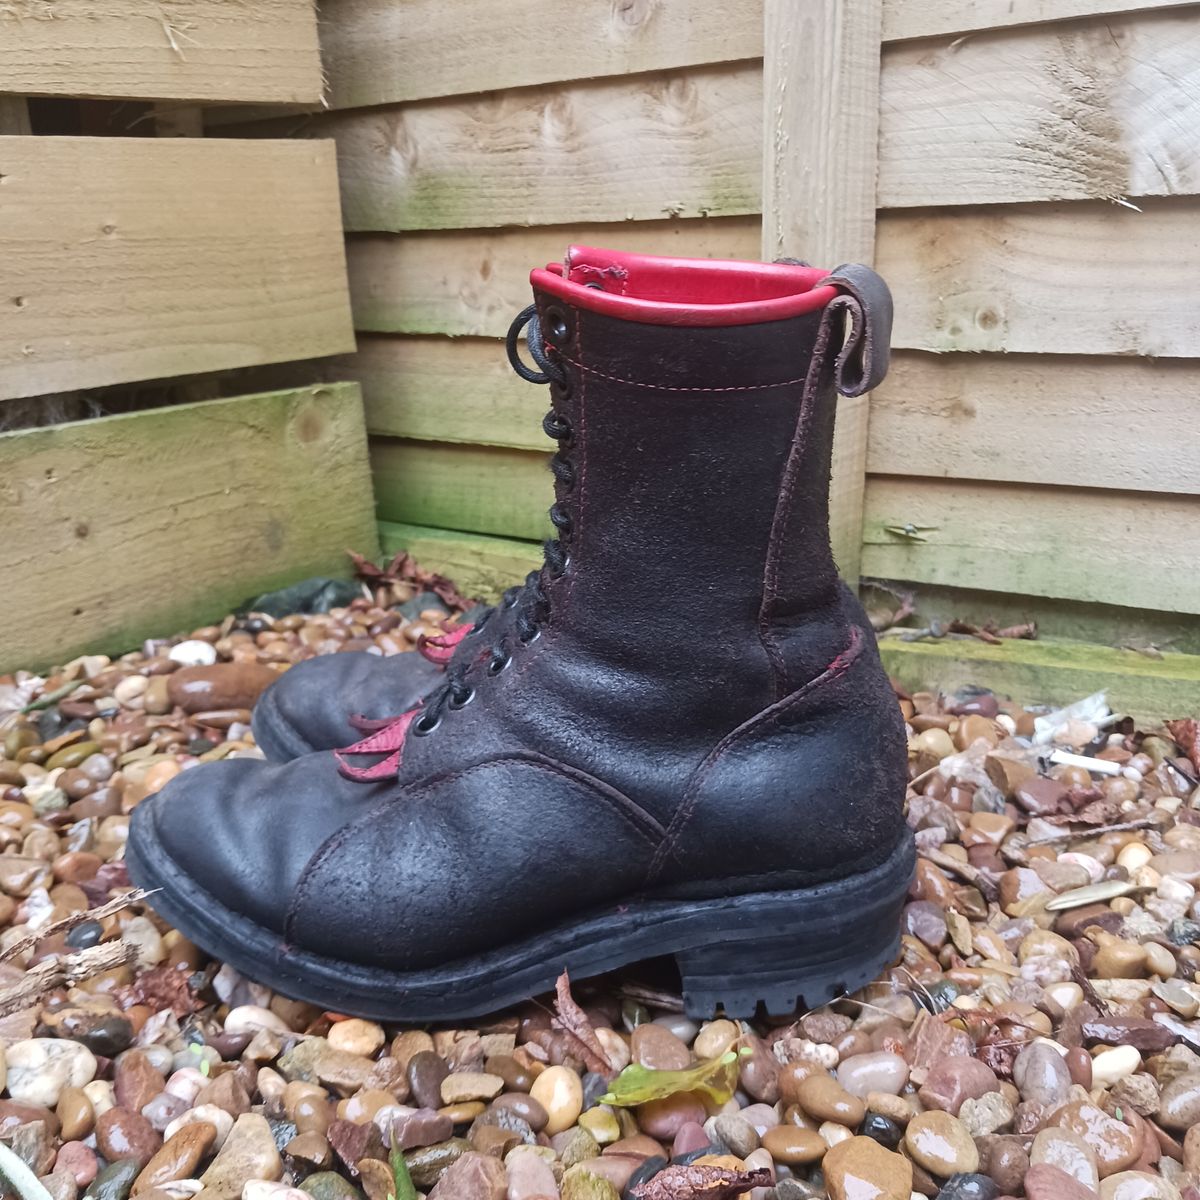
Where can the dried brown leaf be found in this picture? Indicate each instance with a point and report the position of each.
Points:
(166, 987)
(570, 1019)
(700, 1182)
(1187, 734)
(404, 569)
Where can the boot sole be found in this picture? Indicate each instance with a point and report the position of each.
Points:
(773, 951)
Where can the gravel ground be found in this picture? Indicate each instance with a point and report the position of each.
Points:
(1037, 1037)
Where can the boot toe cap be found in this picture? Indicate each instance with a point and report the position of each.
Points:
(240, 831)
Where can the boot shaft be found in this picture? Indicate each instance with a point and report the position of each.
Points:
(701, 422)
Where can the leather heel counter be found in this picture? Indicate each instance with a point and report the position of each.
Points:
(810, 788)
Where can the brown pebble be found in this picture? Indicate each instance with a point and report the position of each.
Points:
(1079, 1064)
(824, 1099)
(179, 1156)
(787, 1144)
(124, 1134)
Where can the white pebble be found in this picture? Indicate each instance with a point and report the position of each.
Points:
(193, 653)
(1066, 995)
(1093, 866)
(1176, 891)
(40, 1068)
(128, 691)
(186, 1084)
(1007, 723)
(831, 1132)
(250, 1018)
(1059, 1050)
(181, 1189)
(216, 1117)
(1134, 855)
(1109, 1066)
(100, 1093)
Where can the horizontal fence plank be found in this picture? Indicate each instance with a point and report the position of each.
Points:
(1147, 631)
(935, 18)
(137, 258)
(1149, 690)
(1038, 419)
(1047, 278)
(481, 566)
(1125, 548)
(1087, 110)
(380, 52)
(150, 523)
(475, 489)
(208, 50)
(638, 148)
(447, 390)
(474, 282)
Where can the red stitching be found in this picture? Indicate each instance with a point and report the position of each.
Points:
(838, 667)
(663, 387)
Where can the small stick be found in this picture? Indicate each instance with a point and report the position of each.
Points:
(19, 1177)
(69, 922)
(70, 968)
(971, 874)
(1093, 831)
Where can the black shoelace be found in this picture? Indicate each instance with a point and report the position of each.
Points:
(524, 609)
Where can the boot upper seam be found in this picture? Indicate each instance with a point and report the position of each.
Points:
(646, 826)
(691, 793)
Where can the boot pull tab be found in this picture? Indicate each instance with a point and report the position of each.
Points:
(862, 361)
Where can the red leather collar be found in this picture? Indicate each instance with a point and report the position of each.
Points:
(682, 291)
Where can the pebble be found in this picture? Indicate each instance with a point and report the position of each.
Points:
(209, 1114)
(328, 1185)
(135, 1081)
(956, 1078)
(860, 1169)
(472, 1177)
(115, 1181)
(249, 1153)
(969, 1187)
(715, 1038)
(78, 1161)
(220, 686)
(793, 1146)
(1179, 1104)
(1041, 1075)
(191, 653)
(658, 1048)
(179, 1156)
(40, 1068)
(462, 1086)
(530, 1177)
(1069, 1152)
(663, 1119)
(1114, 1143)
(876, 1071)
(124, 1134)
(940, 1143)
(356, 1036)
(824, 1099)
(425, 1073)
(559, 1091)
(733, 1131)
(1137, 1185)
(1109, 1066)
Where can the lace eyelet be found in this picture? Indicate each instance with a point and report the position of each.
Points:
(537, 633)
(423, 728)
(457, 704)
(566, 566)
(558, 330)
(498, 667)
(510, 603)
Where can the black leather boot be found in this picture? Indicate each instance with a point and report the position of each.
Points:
(677, 740)
(317, 704)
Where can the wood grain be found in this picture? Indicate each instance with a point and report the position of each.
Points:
(381, 52)
(672, 144)
(481, 566)
(1038, 419)
(474, 489)
(1047, 278)
(209, 50)
(935, 18)
(475, 282)
(136, 258)
(1129, 548)
(150, 523)
(446, 390)
(1076, 111)
(821, 131)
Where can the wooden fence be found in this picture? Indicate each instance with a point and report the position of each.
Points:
(136, 265)
(1023, 172)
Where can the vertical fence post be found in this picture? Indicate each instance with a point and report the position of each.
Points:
(821, 126)
(14, 115)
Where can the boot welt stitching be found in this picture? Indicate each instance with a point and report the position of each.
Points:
(838, 667)
(641, 822)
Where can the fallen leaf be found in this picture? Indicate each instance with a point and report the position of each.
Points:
(716, 1077)
(404, 569)
(700, 1183)
(1187, 734)
(573, 1021)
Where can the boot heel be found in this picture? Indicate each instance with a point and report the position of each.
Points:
(780, 975)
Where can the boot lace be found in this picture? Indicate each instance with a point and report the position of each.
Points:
(516, 621)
